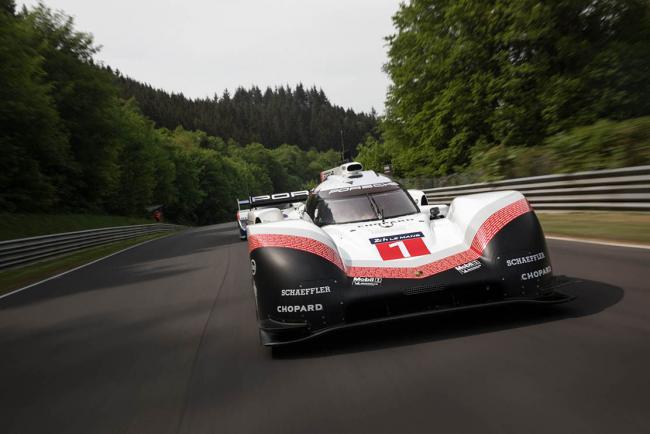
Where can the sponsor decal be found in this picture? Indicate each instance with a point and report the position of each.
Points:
(525, 259)
(366, 281)
(400, 246)
(300, 308)
(535, 274)
(278, 196)
(399, 237)
(468, 267)
(392, 221)
(253, 266)
(361, 187)
(305, 291)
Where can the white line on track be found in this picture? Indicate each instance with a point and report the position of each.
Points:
(15, 291)
(600, 242)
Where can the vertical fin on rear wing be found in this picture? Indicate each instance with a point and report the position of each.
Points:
(326, 174)
(242, 202)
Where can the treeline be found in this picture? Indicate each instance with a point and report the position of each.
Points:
(70, 142)
(487, 85)
(303, 117)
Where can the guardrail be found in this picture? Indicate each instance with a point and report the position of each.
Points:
(27, 250)
(626, 189)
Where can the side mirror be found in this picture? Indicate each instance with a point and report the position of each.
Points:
(434, 212)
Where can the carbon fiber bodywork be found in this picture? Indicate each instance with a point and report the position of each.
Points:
(301, 295)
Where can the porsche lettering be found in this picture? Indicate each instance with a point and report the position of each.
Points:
(362, 187)
(278, 196)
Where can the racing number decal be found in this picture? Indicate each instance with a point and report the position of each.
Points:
(400, 246)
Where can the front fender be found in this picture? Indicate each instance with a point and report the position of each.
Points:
(295, 286)
(298, 273)
(519, 256)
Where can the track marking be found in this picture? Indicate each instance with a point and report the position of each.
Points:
(600, 242)
(204, 333)
(16, 291)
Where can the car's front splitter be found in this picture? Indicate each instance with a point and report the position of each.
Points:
(274, 333)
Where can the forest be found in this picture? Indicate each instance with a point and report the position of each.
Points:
(302, 117)
(486, 88)
(76, 136)
(498, 89)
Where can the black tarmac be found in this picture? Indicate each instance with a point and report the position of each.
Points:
(162, 338)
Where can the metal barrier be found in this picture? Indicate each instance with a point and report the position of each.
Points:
(626, 189)
(27, 250)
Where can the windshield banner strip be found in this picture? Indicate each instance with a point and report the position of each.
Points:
(357, 190)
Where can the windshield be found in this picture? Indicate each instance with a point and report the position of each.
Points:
(364, 207)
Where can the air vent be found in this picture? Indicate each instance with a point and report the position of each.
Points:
(424, 289)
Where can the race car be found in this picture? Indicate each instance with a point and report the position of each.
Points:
(270, 207)
(363, 251)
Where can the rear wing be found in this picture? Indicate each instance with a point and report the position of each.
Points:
(278, 198)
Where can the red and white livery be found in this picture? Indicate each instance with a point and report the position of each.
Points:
(364, 249)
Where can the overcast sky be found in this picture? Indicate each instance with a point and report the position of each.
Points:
(201, 47)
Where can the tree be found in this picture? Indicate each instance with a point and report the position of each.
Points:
(469, 73)
(70, 142)
(85, 99)
(374, 154)
(300, 116)
(33, 144)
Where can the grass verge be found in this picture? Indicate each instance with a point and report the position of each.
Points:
(30, 225)
(15, 278)
(630, 227)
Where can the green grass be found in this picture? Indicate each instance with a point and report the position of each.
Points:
(18, 277)
(30, 225)
(631, 227)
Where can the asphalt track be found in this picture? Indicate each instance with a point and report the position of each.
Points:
(162, 339)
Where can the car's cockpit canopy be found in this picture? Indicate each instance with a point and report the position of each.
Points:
(359, 203)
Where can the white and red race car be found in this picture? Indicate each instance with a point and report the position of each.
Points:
(362, 250)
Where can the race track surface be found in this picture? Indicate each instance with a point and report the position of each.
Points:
(162, 339)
